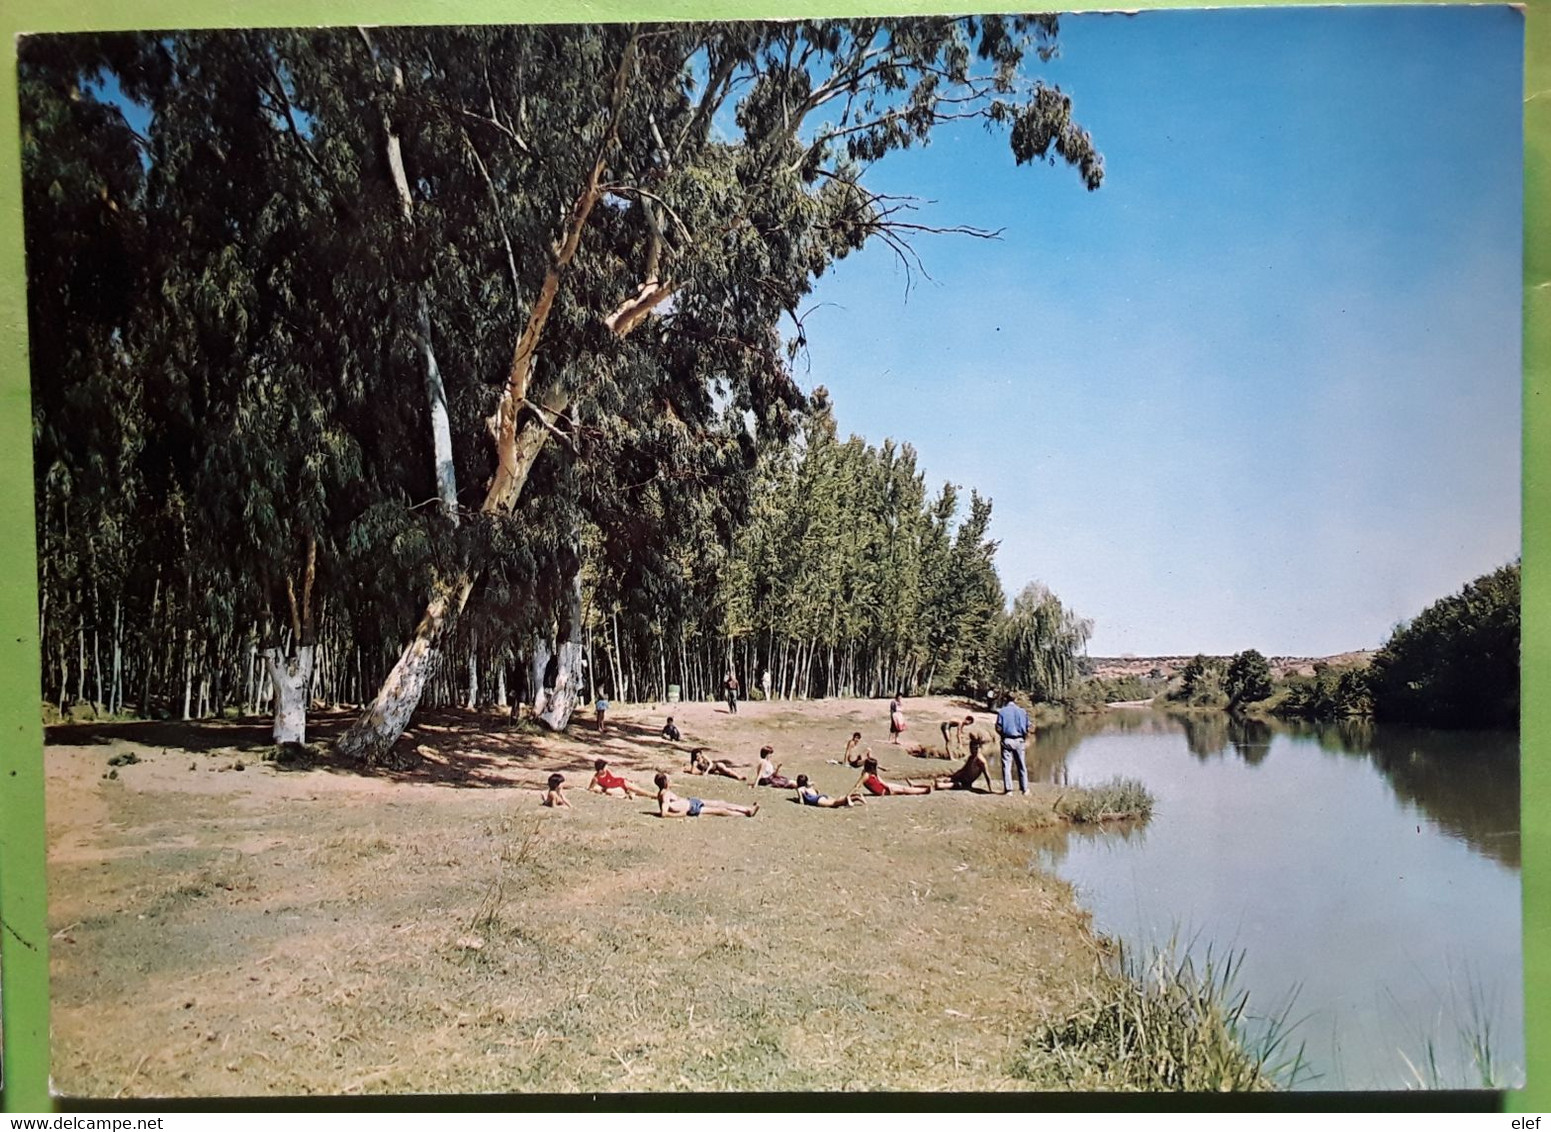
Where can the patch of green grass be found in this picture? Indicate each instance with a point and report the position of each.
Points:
(1114, 800)
(1164, 1024)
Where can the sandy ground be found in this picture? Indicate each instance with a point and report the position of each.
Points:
(219, 931)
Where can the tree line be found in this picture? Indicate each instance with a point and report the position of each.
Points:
(1456, 664)
(425, 364)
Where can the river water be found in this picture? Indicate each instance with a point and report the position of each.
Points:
(1367, 875)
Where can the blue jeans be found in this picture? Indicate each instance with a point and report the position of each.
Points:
(1013, 749)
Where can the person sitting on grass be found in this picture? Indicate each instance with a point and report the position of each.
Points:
(879, 788)
(604, 781)
(851, 757)
(699, 763)
(978, 736)
(555, 795)
(769, 773)
(670, 732)
(808, 796)
(670, 805)
(965, 778)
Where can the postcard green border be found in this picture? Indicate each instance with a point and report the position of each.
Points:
(23, 918)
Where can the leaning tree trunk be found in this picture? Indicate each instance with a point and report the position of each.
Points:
(521, 426)
(568, 679)
(372, 737)
(291, 677)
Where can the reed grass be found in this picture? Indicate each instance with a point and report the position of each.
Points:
(1474, 1063)
(1115, 800)
(1167, 1023)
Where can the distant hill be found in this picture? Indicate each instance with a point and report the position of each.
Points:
(1113, 667)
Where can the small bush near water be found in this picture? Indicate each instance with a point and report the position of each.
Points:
(1117, 799)
(1164, 1025)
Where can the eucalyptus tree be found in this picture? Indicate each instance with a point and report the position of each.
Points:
(644, 214)
(83, 199)
(401, 302)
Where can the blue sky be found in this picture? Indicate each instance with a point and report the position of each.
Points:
(1262, 389)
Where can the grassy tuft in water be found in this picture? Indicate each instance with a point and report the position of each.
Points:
(1473, 1063)
(1164, 1025)
(1115, 800)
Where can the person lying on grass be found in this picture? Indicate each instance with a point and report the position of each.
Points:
(700, 763)
(879, 788)
(670, 805)
(555, 795)
(769, 773)
(966, 776)
(605, 781)
(808, 796)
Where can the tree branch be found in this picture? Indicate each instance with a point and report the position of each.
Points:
(514, 454)
(633, 311)
(495, 205)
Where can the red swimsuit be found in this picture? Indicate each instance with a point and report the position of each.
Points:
(610, 781)
(875, 785)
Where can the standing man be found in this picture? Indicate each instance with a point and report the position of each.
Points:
(730, 686)
(765, 681)
(1012, 724)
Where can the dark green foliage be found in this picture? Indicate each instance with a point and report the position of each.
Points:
(1331, 693)
(1249, 678)
(231, 311)
(1457, 663)
(849, 579)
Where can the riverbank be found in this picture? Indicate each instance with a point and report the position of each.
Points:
(259, 931)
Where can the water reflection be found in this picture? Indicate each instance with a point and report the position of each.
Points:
(1465, 782)
(1374, 868)
(1052, 846)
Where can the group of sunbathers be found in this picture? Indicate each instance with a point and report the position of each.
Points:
(768, 773)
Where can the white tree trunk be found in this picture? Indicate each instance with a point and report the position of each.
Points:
(441, 428)
(117, 695)
(568, 679)
(188, 673)
(538, 664)
(291, 677)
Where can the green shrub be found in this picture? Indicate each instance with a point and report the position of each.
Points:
(1331, 693)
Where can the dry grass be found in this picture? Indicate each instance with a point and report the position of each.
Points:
(291, 932)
